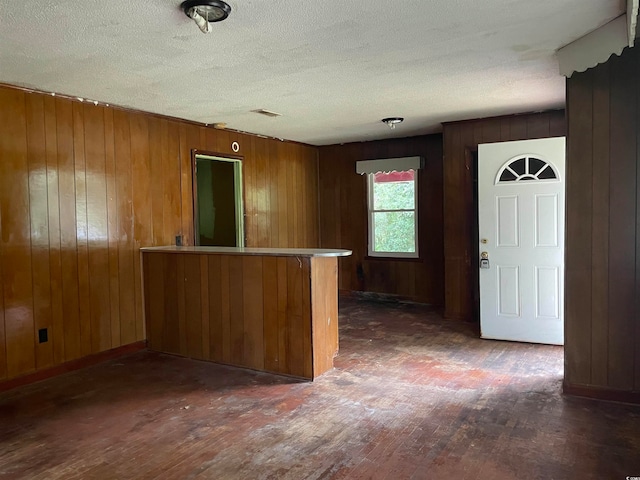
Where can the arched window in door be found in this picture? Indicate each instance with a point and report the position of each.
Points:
(526, 168)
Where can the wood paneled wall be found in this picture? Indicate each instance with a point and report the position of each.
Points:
(602, 319)
(343, 205)
(459, 139)
(83, 187)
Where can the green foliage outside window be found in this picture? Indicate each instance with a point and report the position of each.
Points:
(394, 230)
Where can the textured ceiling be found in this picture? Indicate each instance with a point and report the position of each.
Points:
(332, 68)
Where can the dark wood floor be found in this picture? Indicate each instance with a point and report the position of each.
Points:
(412, 396)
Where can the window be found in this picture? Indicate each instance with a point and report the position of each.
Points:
(393, 214)
(522, 169)
(392, 191)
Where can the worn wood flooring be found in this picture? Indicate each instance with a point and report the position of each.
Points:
(412, 397)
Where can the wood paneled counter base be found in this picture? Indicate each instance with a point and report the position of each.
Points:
(274, 310)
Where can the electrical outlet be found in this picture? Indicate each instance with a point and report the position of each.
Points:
(43, 335)
(178, 240)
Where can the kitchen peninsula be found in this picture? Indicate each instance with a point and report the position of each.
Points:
(268, 309)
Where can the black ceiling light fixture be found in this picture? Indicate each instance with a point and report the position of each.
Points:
(205, 12)
(392, 121)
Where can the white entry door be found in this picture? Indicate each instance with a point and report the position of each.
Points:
(521, 194)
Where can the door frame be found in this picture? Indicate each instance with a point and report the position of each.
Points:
(472, 167)
(194, 186)
(472, 202)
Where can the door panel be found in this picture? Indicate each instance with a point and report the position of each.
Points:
(547, 286)
(509, 291)
(521, 230)
(546, 221)
(507, 214)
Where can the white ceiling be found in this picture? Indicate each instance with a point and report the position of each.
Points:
(333, 68)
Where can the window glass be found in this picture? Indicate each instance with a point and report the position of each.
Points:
(393, 214)
(393, 191)
(394, 232)
(527, 169)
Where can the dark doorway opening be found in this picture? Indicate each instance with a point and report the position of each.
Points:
(218, 202)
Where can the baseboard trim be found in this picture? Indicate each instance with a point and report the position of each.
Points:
(600, 393)
(381, 297)
(72, 365)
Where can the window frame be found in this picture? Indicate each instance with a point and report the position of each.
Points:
(518, 178)
(371, 223)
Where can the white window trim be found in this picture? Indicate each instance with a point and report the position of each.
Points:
(371, 226)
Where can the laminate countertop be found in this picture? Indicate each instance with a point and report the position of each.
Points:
(274, 252)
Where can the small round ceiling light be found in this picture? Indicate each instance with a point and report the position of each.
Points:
(205, 12)
(392, 121)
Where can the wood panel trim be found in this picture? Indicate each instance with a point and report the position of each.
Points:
(600, 213)
(578, 229)
(73, 365)
(602, 358)
(623, 217)
(599, 393)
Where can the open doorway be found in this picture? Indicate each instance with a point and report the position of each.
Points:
(218, 204)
